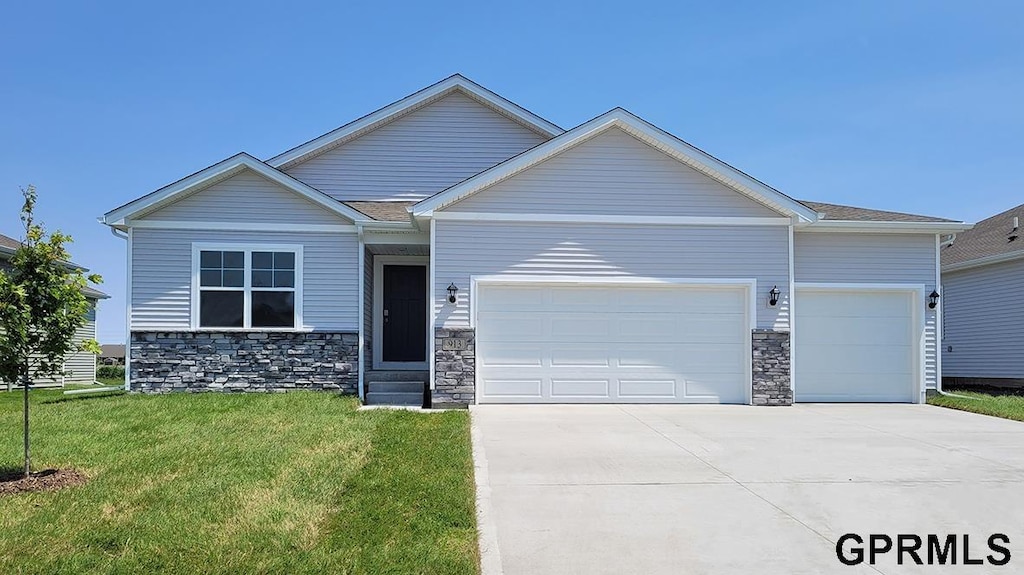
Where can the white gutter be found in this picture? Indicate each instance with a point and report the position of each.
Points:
(987, 260)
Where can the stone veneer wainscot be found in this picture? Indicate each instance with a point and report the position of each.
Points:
(163, 362)
(454, 371)
(771, 368)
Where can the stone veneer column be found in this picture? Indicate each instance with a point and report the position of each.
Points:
(454, 367)
(163, 362)
(771, 368)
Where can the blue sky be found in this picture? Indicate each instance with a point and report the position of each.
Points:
(910, 106)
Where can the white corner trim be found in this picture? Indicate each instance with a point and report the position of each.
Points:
(792, 315)
(240, 226)
(128, 315)
(362, 317)
(938, 311)
(247, 248)
(229, 166)
(984, 261)
(885, 227)
(409, 104)
(610, 219)
(432, 305)
(619, 118)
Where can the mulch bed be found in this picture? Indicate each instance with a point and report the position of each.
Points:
(14, 482)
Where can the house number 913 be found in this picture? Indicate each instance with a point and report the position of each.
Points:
(453, 344)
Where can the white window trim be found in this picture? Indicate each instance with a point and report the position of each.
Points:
(379, 261)
(247, 289)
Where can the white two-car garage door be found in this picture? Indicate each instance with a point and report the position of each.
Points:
(856, 345)
(618, 343)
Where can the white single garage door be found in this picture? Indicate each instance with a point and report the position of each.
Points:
(856, 345)
(574, 343)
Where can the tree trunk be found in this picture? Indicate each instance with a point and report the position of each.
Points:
(28, 460)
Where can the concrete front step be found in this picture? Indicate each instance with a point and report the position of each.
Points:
(394, 398)
(396, 386)
(374, 376)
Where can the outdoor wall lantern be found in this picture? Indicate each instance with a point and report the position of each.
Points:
(773, 296)
(933, 299)
(452, 290)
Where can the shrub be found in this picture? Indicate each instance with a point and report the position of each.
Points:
(110, 372)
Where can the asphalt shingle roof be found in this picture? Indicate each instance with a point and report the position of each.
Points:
(850, 213)
(383, 211)
(8, 243)
(990, 237)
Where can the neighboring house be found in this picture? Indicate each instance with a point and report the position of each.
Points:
(983, 307)
(456, 241)
(112, 354)
(80, 367)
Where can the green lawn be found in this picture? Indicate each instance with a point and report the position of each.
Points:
(1006, 406)
(218, 483)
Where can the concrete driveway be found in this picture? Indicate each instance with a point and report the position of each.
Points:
(737, 489)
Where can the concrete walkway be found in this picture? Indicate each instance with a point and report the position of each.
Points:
(737, 489)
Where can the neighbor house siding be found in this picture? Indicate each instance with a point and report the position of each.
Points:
(418, 154)
(162, 276)
(825, 257)
(613, 173)
(983, 313)
(80, 367)
(246, 197)
(464, 249)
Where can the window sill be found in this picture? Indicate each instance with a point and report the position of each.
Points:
(251, 329)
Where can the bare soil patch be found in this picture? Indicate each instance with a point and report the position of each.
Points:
(13, 481)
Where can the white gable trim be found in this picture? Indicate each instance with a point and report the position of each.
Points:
(407, 105)
(219, 172)
(647, 133)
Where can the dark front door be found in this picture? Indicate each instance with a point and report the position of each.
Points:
(405, 313)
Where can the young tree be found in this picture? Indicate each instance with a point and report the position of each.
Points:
(41, 308)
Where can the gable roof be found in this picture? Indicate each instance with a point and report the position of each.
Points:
(411, 103)
(854, 214)
(8, 244)
(218, 172)
(989, 242)
(640, 129)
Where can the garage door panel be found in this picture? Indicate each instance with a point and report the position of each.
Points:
(513, 355)
(857, 304)
(649, 388)
(856, 346)
(568, 388)
(854, 330)
(529, 388)
(730, 387)
(605, 344)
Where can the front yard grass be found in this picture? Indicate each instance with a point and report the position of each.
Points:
(1005, 406)
(219, 483)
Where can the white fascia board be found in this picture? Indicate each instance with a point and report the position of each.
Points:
(984, 261)
(611, 219)
(218, 171)
(619, 118)
(886, 227)
(409, 104)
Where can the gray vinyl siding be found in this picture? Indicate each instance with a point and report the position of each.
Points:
(983, 314)
(418, 154)
(825, 257)
(613, 173)
(464, 249)
(162, 276)
(80, 367)
(246, 197)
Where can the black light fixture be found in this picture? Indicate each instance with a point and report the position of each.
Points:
(773, 296)
(452, 290)
(933, 299)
